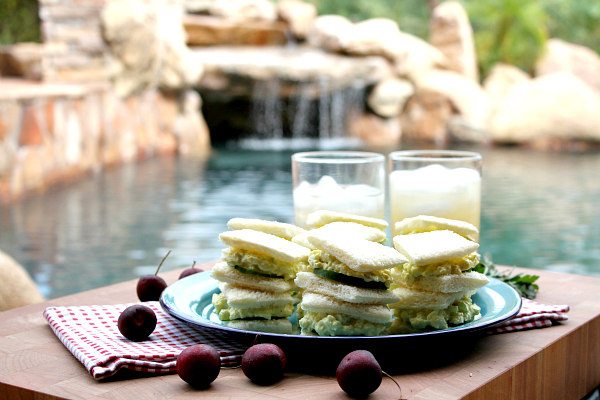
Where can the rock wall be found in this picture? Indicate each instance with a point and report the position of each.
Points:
(50, 133)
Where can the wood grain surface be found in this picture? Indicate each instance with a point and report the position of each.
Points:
(561, 362)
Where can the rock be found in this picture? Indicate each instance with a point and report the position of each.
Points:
(244, 10)
(203, 30)
(190, 128)
(372, 37)
(17, 289)
(553, 106)
(465, 95)
(426, 116)
(501, 80)
(375, 131)
(451, 32)
(31, 132)
(22, 60)
(389, 96)
(563, 56)
(413, 55)
(148, 40)
(198, 6)
(299, 16)
(330, 33)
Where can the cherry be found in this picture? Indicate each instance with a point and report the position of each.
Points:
(137, 322)
(359, 373)
(199, 365)
(150, 287)
(264, 363)
(190, 271)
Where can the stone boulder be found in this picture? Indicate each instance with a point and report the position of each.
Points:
(466, 96)
(198, 6)
(190, 127)
(330, 33)
(147, 40)
(298, 15)
(207, 30)
(561, 56)
(501, 79)
(244, 10)
(372, 37)
(451, 32)
(413, 55)
(426, 116)
(388, 97)
(375, 131)
(553, 106)
(17, 289)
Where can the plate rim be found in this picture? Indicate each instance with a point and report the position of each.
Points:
(457, 330)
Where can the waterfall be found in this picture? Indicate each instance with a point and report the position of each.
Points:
(310, 114)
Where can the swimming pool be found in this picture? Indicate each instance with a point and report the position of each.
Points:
(539, 210)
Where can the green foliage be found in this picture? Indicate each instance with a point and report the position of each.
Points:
(574, 21)
(522, 283)
(19, 21)
(511, 31)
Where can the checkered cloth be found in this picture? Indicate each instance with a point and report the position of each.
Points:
(533, 315)
(91, 335)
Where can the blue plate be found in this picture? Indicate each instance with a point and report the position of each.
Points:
(189, 300)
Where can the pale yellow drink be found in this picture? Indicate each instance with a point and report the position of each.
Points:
(453, 193)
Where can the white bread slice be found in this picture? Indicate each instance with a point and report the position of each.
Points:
(221, 271)
(350, 294)
(319, 218)
(433, 247)
(358, 254)
(351, 229)
(265, 243)
(281, 229)
(451, 283)
(427, 223)
(242, 298)
(410, 298)
(323, 304)
(275, 325)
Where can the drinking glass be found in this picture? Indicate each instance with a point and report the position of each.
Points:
(344, 181)
(441, 183)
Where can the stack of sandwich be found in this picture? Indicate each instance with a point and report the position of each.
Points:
(256, 275)
(346, 291)
(435, 286)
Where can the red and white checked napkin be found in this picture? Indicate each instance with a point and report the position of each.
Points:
(91, 335)
(533, 315)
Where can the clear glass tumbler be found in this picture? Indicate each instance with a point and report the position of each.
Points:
(344, 181)
(442, 183)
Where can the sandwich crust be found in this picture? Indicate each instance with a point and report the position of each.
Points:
(428, 223)
(319, 218)
(281, 229)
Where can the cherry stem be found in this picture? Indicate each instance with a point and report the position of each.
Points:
(397, 384)
(161, 262)
(193, 264)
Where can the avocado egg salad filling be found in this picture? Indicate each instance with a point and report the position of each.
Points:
(342, 281)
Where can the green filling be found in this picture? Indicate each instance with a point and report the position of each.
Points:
(338, 325)
(320, 260)
(348, 280)
(262, 265)
(460, 312)
(227, 313)
(408, 272)
(251, 272)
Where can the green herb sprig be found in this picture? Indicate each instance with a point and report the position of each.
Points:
(522, 283)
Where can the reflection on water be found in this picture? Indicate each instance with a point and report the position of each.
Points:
(539, 210)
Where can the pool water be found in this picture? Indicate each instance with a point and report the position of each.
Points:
(539, 210)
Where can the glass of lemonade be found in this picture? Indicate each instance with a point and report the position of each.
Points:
(442, 183)
(344, 181)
